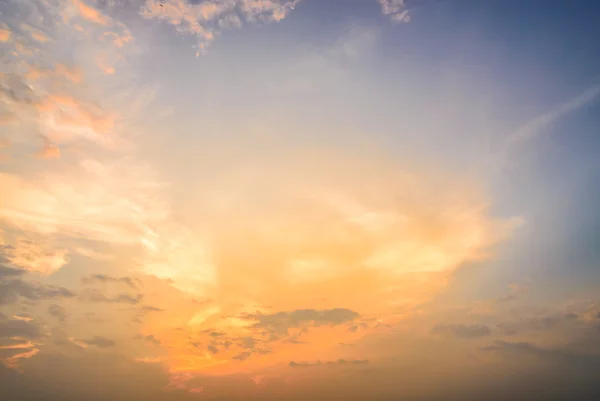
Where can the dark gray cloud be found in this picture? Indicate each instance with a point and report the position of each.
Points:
(242, 356)
(102, 278)
(212, 348)
(149, 308)
(561, 357)
(57, 312)
(123, 298)
(507, 298)
(328, 363)
(100, 342)
(11, 290)
(9, 272)
(462, 331)
(536, 323)
(153, 340)
(247, 343)
(280, 322)
(20, 328)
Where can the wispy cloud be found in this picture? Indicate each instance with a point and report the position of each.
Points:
(536, 126)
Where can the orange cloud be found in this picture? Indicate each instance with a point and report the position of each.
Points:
(40, 37)
(120, 40)
(104, 67)
(35, 257)
(362, 236)
(91, 14)
(49, 151)
(73, 74)
(5, 35)
(67, 115)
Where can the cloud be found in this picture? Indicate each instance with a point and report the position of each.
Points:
(100, 342)
(242, 356)
(90, 13)
(204, 19)
(34, 257)
(122, 298)
(536, 126)
(19, 339)
(58, 312)
(11, 290)
(149, 308)
(462, 331)
(14, 89)
(49, 151)
(40, 37)
(149, 339)
(563, 357)
(395, 9)
(281, 322)
(546, 321)
(10, 328)
(328, 363)
(9, 272)
(113, 202)
(102, 278)
(4, 35)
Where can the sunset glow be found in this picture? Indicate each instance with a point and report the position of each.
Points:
(248, 199)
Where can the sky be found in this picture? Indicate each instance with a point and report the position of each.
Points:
(299, 199)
